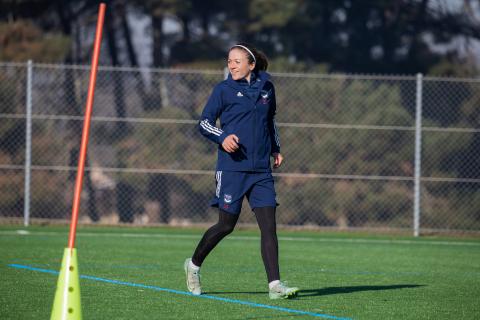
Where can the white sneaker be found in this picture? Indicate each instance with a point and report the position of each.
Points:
(282, 291)
(193, 278)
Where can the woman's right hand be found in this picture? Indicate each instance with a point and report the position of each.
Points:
(230, 143)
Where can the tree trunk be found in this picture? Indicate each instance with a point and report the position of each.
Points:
(132, 56)
(72, 103)
(186, 34)
(155, 98)
(127, 34)
(121, 129)
(158, 38)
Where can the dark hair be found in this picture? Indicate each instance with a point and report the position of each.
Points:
(261, 63)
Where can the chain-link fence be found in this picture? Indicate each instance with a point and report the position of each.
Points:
(353, 157)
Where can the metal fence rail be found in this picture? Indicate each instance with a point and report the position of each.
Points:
(360, 151)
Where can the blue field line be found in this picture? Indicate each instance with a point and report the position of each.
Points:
(185, 293)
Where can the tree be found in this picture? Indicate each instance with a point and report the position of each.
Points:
(121, 129)
(21, 40)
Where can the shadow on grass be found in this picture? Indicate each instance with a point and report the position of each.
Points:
(235, 292)
(329, 290)
(342, 290)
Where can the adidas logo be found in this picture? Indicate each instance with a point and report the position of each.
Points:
(239, 94)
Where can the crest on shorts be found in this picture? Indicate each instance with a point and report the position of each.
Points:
(227, 198)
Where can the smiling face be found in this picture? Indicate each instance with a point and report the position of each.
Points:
(238, 64)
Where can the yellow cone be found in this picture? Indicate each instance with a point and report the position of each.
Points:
(66, 305)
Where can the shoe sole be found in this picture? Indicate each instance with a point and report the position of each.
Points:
(290, 295)
(185, 267)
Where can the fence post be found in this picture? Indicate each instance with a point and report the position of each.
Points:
(226, 72)
(28, 145)
(418, 155)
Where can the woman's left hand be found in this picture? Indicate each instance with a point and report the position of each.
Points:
(278, 159)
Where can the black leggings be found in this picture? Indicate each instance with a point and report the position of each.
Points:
(225, 225)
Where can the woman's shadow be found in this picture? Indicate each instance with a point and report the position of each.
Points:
(332, 290)
(341, 290)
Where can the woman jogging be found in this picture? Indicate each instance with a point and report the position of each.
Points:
(247, 137)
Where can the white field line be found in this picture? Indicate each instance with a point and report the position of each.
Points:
(255, 238)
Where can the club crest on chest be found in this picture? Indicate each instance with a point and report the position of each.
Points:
(264, 96)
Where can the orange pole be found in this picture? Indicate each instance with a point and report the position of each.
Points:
(86, 127)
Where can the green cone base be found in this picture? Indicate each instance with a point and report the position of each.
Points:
(66, 305)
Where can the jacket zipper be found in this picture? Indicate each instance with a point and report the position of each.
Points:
(254, 131)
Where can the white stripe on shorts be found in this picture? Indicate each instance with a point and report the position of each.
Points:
(218, 176)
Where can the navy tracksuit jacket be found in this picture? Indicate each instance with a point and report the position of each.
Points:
(248, 111)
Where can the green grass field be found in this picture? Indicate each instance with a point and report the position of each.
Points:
(341, 275)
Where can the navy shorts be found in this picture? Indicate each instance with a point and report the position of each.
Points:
(232, 186)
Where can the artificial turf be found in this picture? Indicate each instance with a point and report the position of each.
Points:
(353, 276)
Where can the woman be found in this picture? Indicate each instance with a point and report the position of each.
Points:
(245, 104)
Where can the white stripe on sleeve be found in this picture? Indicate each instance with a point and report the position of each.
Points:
(277, 139)
(209, 128)
(212, 127)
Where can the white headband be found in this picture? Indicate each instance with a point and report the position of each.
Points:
(248, 50)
